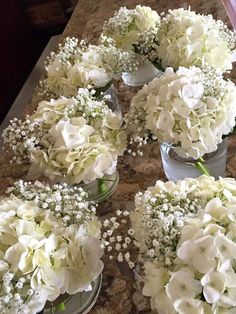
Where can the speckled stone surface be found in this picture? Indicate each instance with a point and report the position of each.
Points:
(121, 287)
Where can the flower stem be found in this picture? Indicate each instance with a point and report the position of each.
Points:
(101, 185)
(59, 307)
(199, 165)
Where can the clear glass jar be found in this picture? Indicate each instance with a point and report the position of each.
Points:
(79, 303)
(113, 102)
(145, 73)
(100, 189)
(177, 168)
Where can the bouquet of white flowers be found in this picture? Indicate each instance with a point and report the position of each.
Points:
(185, 38)
(81, 64)
(49, 245)
(125, 27)
(186, 235)
(191, 108)
(69, 139)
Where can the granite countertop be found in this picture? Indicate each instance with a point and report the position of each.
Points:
(121, 287)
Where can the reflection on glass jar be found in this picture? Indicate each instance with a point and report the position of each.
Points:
(145, 73)
(177, 168)
(113, 102)
(79, 303)
(100, 189)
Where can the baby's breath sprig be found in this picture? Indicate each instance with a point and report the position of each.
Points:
(117, 240)
(160, 214)
(15, 293)
(66, 50)
(90, 106)
(124, 28)
(137, 143)
(139, 135)
(147, 45)
(120, 22)
(214, 83)
(67, 202)
(21, 136)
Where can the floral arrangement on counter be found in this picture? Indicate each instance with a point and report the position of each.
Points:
(78, 65)
(74, 139)
(50, 245)
(186, 236)
(185, 38)
(190, 108)
(126, 26)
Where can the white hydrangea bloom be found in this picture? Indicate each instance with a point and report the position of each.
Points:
(70, 139)
(193, 306)
(185, 38)
(182, 285)
(200, 253)
(73, 152)
(50, 245)
(154, 286)
(191, 108)
(185, 233)
(213, 286)
(84, 65)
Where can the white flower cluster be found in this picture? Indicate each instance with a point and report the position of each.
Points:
(49, 245)
(125, 27)
(160, 214)
(191, 108)
(21, 136)
(84, 104)
(84, 65)
(117, 242)
(80, 138)
(202, 278)
(185, 38)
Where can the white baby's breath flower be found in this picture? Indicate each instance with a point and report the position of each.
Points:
(125, 27)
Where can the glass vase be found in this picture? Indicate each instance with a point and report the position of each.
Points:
(113, 102)
(100, 189)
(145, 73)
(79, 303)
(177, 168)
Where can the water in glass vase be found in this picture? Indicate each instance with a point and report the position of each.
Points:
(145, 73)
(113, 102)
(177, 168)
(79, 303)
(101, 189)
